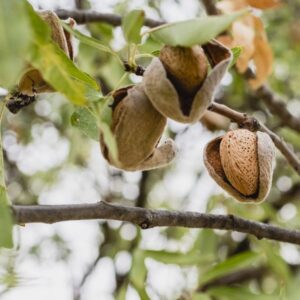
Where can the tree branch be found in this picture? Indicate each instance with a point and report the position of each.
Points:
(146, 218)
(86, 16)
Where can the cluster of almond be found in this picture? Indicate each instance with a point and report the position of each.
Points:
(180, 85)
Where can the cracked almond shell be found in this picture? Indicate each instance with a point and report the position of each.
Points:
(166, 98)
(138, 127)
(265, 160)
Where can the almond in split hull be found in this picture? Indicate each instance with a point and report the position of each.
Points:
(238, 152)
(186, 67)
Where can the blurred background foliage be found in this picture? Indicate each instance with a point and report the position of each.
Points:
(48, 161)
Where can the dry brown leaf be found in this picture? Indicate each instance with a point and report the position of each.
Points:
(263, 60)
(263, 56)
(264, 4)
(243, 36)
(249, 33)
(228, 6)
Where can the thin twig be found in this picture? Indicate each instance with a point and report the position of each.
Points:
(147, 218)
(87, 16)
(239, 276)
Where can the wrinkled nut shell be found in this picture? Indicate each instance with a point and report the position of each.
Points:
(186, 67)
(238, 152)
(138, 128)
(170, 102)
(266, 162)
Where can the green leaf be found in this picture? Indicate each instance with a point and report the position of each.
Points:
(90, 41)
(237, 293)
(195, 31)
(132, 24)
(108, 137)
(177, 257)
(57, 69)
(15, 38)
(6, 222)
(122, 292)
(83, 119)
(200, 296)
(236, 52)
(228, 266)
(138, 273)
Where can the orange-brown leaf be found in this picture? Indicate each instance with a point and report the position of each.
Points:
(243, 36)
(263, 60)
(264, 4)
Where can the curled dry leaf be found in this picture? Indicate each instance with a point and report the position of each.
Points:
(32, 82)
(242, 163)
(264, 4)
(262, 58)
(249, 33)
(181, 101)
(138, 128)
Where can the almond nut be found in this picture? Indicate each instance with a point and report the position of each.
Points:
(138, 128)
(238, 152)
(177, 83)
(242, 163)
(186, 67)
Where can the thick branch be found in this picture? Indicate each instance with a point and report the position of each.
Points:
(86, 16)
(147, 218)
(250, 122)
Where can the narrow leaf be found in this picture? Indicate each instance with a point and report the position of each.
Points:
(178, 258)
(107, 135)
(229, 265)
(90, 41)
(132, 24)
(237, 293)
(6, 222)
(138, 274)
(15, 38)
(57, 69)
(195, 31)
(84, 120)
(236, 52)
